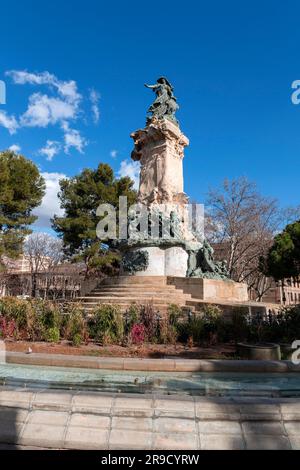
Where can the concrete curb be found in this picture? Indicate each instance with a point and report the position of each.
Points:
(157, 365)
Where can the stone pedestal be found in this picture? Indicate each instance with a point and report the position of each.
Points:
(156, 265)
(176, 259)
(160, 149)
(211, 290)
(164, 261)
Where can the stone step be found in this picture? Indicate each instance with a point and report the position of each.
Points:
(133, 290)
(120, 300)
(137, 287)
(162, 309)
(198, 305)
(144, 280)
(145, 298)
(127, 290)
(222, 303)
(139, 294)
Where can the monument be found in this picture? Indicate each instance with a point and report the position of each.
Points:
(165, 257)
(168, 245)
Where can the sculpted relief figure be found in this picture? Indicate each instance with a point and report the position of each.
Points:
(165, 104)
(201, 262)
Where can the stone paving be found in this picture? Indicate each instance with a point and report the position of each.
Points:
(78, 420)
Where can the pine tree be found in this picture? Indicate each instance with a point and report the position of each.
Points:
(80, 196)
(283, 259)
(21, 190)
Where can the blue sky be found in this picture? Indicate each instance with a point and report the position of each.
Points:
(232, 64)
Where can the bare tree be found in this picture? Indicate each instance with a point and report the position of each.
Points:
(44, 253)
(241, 223)
(289, 215)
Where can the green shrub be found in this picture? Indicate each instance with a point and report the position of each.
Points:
(22, 313)
(168, 332)
(289, 323)
(224, 331)
(33, 318)
(192, 328)
(174, 314)
(52, 335)
(131, 318)
(211, 314)
(238, 324)
(47, 317)
(74, 326)
(212, 323)
(149, 318)
(281, 327)
(201, 328)
(77, 339)
(40, 320)
(107, 324)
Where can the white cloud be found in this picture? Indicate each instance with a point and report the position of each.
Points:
(15, 148)
(51, 149)
(44, 110)
(9, 122)
(67, 89)
(60, 107)
(20, 77)
(50, 205)
(73, 138)
(113, 153)
(131, 169)
(95, 97)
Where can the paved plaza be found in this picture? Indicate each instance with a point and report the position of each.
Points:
(78, 420)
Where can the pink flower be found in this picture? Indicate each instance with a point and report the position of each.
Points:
(7, 328)
(137, 333)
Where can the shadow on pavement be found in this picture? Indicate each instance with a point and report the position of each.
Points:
(9, 428)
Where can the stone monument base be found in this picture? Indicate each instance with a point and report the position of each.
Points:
(211, 289)
(195, 288)
(171, 261)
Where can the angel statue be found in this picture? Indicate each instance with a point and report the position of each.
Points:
(165, 104)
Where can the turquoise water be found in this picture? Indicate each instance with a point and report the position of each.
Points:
(204, 383)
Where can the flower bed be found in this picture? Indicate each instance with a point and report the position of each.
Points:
(44, 321)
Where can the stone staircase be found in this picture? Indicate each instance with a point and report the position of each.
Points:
(160, 291)
(126, 290)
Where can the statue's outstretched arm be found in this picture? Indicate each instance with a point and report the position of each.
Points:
(151, 86)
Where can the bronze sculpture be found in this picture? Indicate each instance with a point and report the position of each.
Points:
(165, 104)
